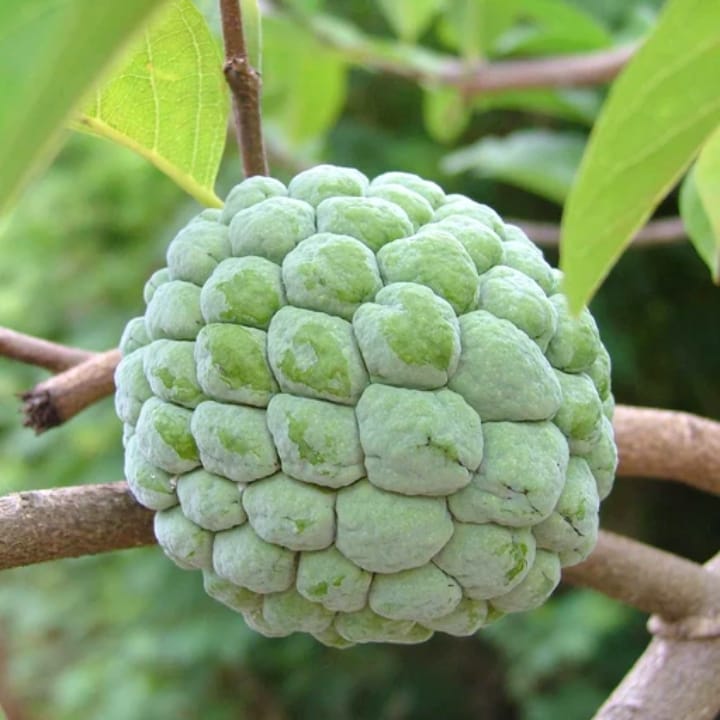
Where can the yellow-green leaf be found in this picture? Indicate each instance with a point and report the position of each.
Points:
(696, 215)
(659, 112)
(51, 52)
(168, 101)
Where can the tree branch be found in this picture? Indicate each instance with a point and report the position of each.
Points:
(676, 677)
(668, 445)
(61, 397)
(244, 83)
(664, 231)
(43, 525)
(425, 66)
(560, 71)
(43, 353)
(646, 578)
(660, 444)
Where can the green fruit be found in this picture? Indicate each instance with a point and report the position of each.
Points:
(363, 410)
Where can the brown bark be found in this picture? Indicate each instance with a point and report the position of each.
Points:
(676, 678)
(41, 525)
(244, 83)
(668, 445)
(61, 397)
(591, 68)
(66, 522)
(646, 578)
(36, 351)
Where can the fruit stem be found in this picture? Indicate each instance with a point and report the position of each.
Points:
(244, 83)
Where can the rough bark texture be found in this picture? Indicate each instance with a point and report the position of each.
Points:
(59, 398)
(42, 525)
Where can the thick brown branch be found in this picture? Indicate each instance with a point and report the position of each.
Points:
(59, 398)
(647, 578)
(67, 522)
(675, 678)
(43, 353)
(668, 445)
(657, 232)
(244, 83)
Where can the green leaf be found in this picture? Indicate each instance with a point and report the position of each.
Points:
(541, 161)
(446, 112)
(579, 105)
(252, 32)
(472, 26)
(304, 82)
(659, 112)
(552, 26)
(707, 179)
(168, 101)
(51, 52)
(354, 46)
(696, 217)
(409, 18)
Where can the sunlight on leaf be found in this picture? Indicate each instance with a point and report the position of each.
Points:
(659, 112)
(51, 52)
(168, 101)
(696, 217)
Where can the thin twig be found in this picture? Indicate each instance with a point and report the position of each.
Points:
(585, 69)
(425, 66)
(665, 231)
(676, 677)
(56, 400)
(244, 83)
(36, 351)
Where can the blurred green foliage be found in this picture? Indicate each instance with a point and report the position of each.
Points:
(128, 636)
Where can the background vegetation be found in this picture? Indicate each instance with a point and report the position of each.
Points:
(129, 636)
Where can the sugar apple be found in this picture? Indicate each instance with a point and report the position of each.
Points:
(363, 410)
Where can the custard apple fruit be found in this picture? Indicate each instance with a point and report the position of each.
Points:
(363, 410)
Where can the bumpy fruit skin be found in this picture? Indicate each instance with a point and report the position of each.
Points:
(363, 411)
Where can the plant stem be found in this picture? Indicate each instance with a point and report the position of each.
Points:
(53, 401)
(36, 351)
(244, 83)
